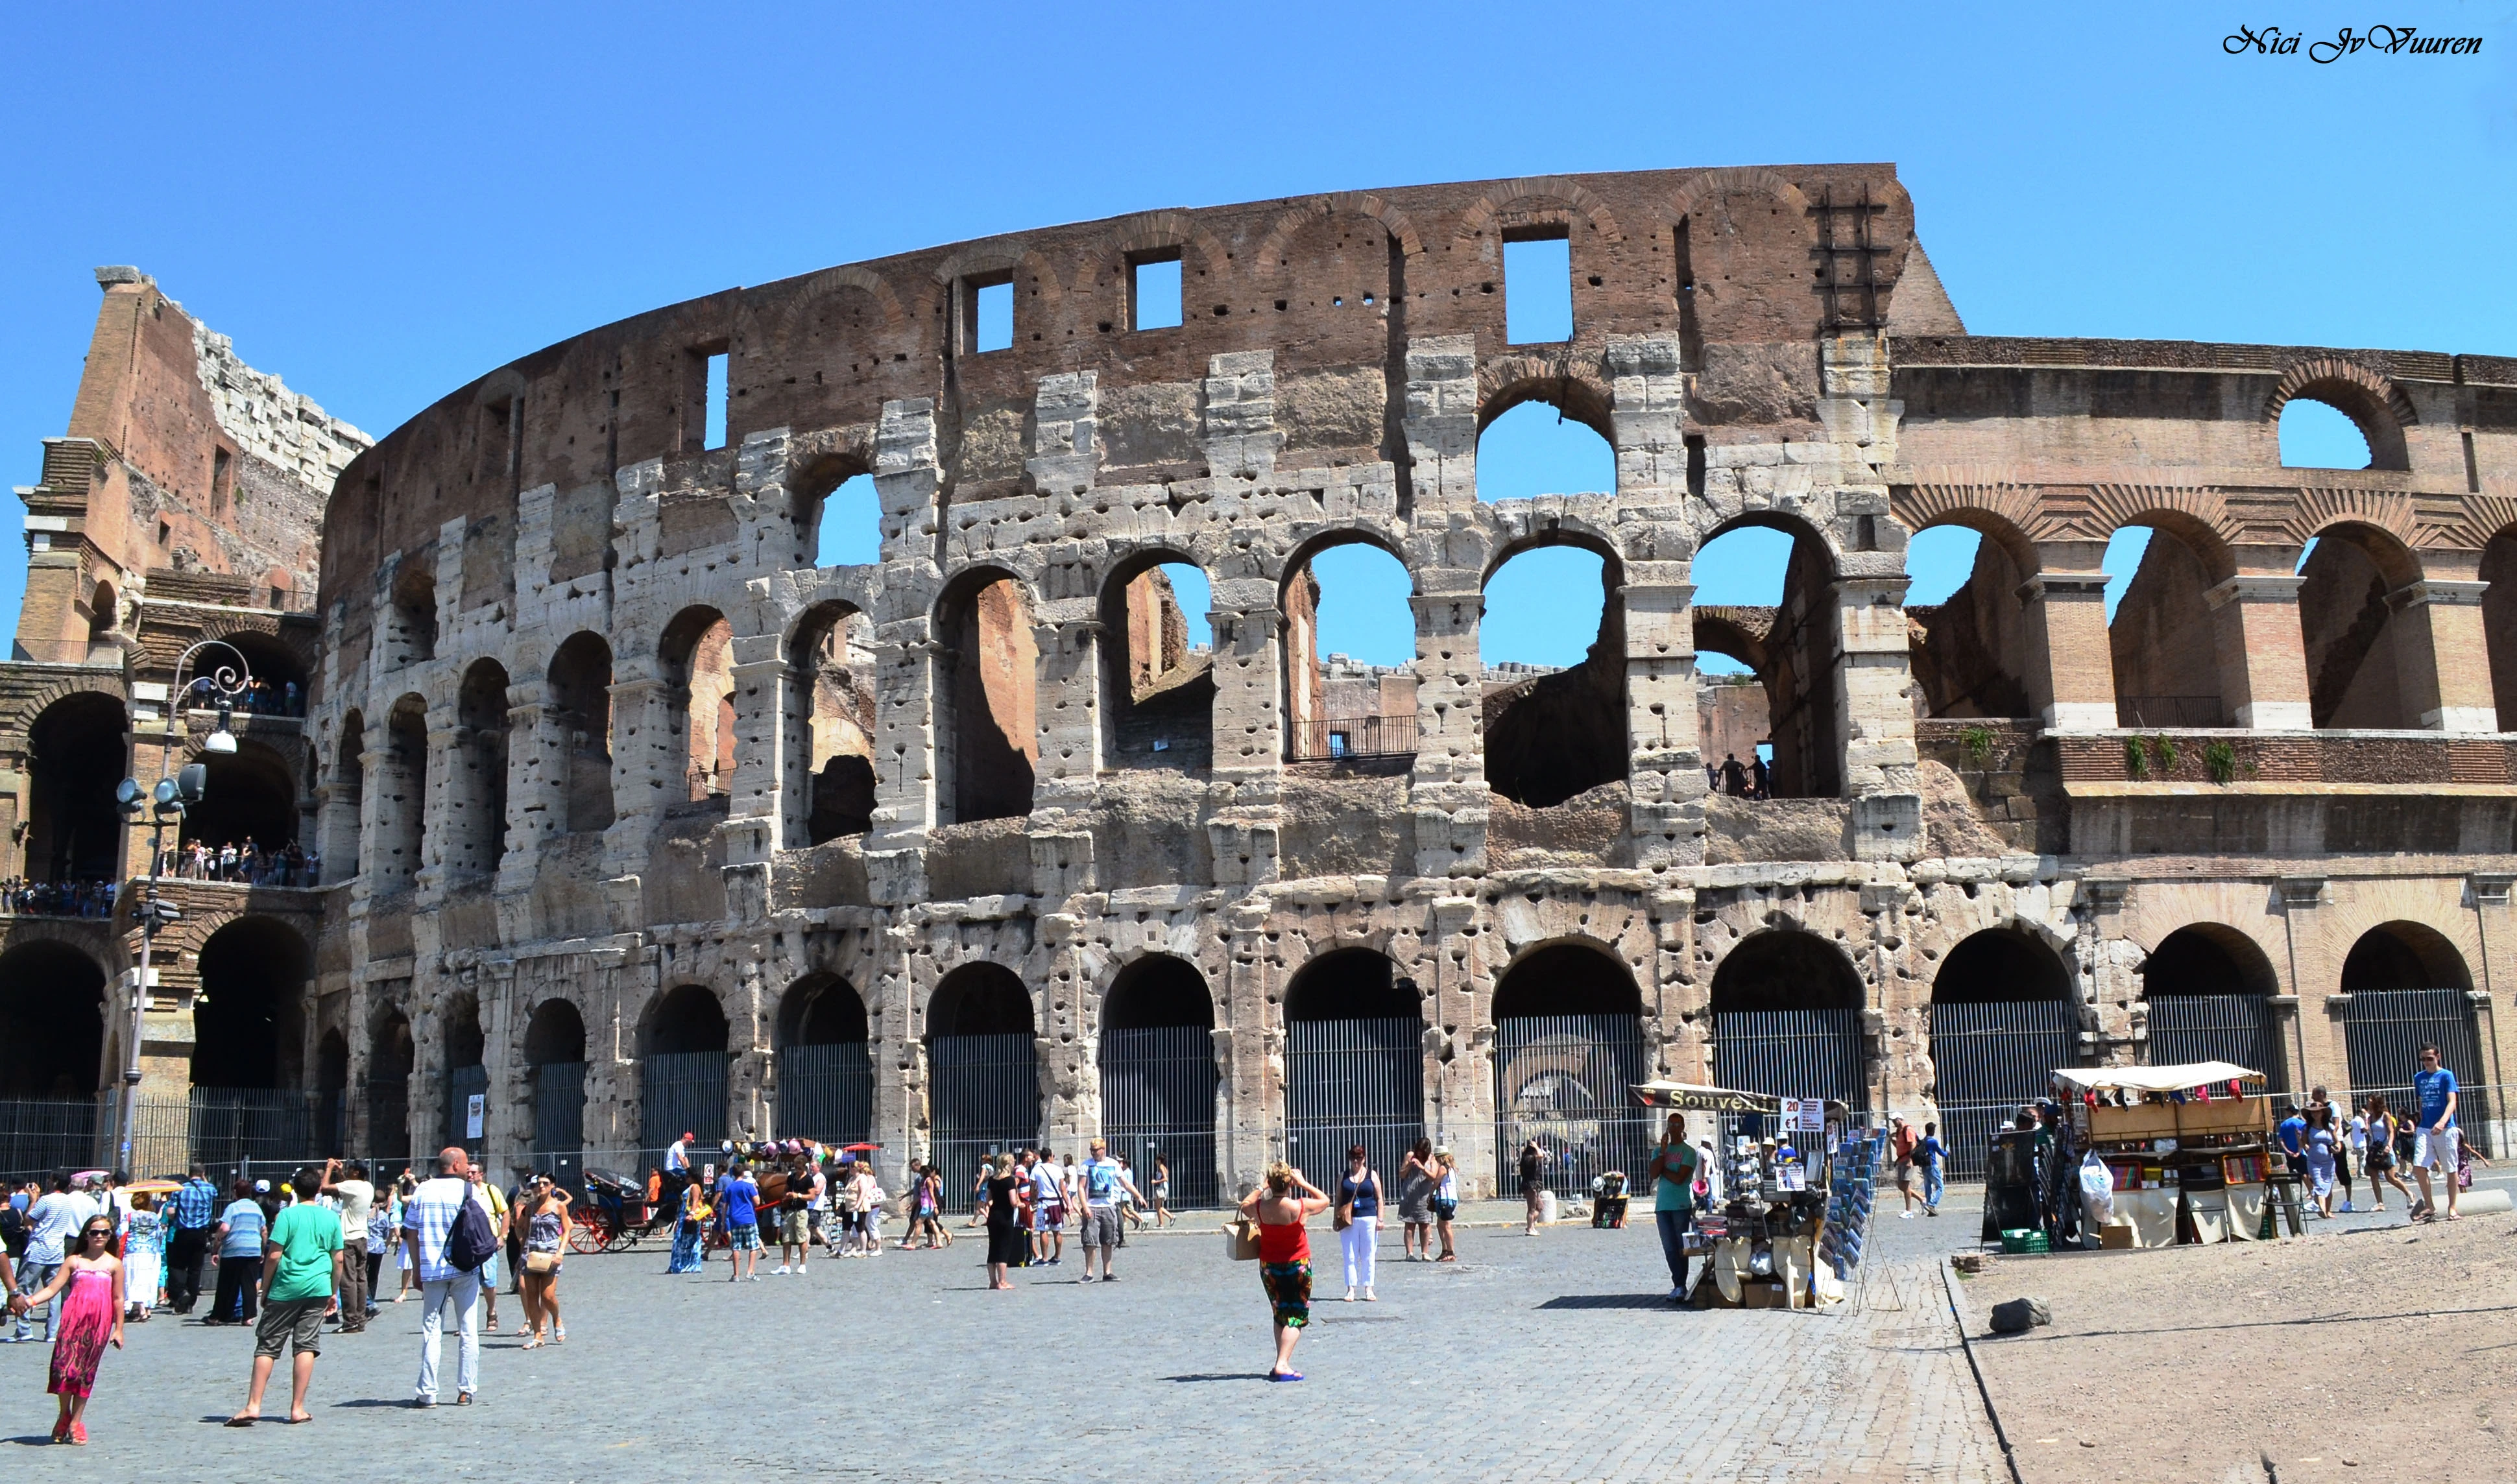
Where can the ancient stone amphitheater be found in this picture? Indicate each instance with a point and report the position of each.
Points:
(635, 821)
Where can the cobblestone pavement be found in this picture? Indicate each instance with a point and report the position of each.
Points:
(1552, 1358)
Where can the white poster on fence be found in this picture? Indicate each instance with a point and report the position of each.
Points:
(475, 1108)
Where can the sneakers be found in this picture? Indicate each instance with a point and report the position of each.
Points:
(1904, 1216)
(1676, 1295)
(780, 1271)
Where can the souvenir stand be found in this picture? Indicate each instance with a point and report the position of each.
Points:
(1792, 1192)
(2187, 1151)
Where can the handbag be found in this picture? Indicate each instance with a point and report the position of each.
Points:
(1241, 1240)
(1344, 1216)
(541, 1262)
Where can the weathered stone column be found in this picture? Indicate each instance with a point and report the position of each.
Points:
(1249, 724)
(538, 752)
(1665, 812)
(2261, 650)
(2070, 674)
(1256, 1065)
(753, 824)
(1447, 792)
(445, 777)
(2441, 657)
(644, 774)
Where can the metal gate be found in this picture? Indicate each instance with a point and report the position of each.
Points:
(1353, 1082)
(1566, 1080)
(826, 1092)
(1988, 1058)
(559, 1119)
(231, 1126)
(38, 1136)
(389, 1140)
(2383, 1035)
(462, 1084)
(985, 1099)
(1158, 1103)
(2221, 1027)
(1792, 1053)
(684, 1092)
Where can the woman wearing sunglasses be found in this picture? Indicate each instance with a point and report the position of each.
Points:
(89, 1288)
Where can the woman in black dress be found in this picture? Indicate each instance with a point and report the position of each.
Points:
(1007, 1200)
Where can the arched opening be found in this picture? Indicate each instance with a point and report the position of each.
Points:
(1157, 686)
(2165, 640)
(830, 727)
(581, 696)
(103, 615)
(1555, 675)
(478, 835)
(1157, 1075)
(555, 1081)
(52, 1051)
(1764, 599)
(984, 1084)
(391, 1056)
(2315, 434)
(987, 679)
(825, 1062)
(279, 684)
(247, 1044)
(839, 517)
(2206, 991)
(248, 801)
(683, 1069)
(412, 617)
(2001, 1021)
(2409, 988)
(1351, 599)
(2500, 621)
(1968, 642)
(1568, 1045)
(2363, 656)
(331, 1089)
(466, 1077)
(1787, 1019)
(74, 759)
(1354, 1060)
(1533, 448)
(401, 815)
(698, 669)
(346, 809)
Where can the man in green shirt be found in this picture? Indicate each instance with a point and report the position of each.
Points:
(301, 1270)
(1671, 1172)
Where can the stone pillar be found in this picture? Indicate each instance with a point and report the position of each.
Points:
(1447, 792)
(1249, 724)
(753, 826)
(907, 480)
(446, 776)
(2261, 650)
(1442, 422)
(2071, 662)
(1067, 639)
(1256, 1065)
(537, 753)
(1458, 1064)
(646, 775)
(1665, 814)
(2442, 658)
(1238, 418)
(1875, 718)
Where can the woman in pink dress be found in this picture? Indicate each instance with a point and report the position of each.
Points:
(90, 1285)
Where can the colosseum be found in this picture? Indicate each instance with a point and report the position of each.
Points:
(617, 817)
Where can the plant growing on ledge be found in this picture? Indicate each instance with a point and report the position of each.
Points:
(1977, 745)
(2136, 761)
(2220, 760)
(2162, 751)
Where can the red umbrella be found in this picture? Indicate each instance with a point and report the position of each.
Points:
(857, 1148)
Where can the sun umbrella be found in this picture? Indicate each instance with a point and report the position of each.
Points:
(857, 1148)
(152, 1187)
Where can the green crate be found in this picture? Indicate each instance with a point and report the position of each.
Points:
(2021, 1241)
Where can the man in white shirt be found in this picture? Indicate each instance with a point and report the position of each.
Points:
(677, 1172)
(49, 1224)
(428, 1217)
(349, 1185)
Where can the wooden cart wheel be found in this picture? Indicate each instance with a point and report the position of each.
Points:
(586, 1237)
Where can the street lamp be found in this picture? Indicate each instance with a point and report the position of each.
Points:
(166, 804)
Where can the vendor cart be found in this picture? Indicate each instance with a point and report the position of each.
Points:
(2186, 1150)
(1793, 1181)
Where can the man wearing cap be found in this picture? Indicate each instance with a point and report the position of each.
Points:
(677, 1172)
(1102, 1180)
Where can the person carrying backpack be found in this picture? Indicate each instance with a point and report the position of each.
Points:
(448, 1235)
(1927, 1156)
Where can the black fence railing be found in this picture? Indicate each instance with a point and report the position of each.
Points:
(1340, 739)
(2169, 711)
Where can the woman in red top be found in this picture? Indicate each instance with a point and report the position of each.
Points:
(1280, 1208)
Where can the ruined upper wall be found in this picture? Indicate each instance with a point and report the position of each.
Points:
(1333, 286)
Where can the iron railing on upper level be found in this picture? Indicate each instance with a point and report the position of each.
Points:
(1342, 738)
(2169, 711)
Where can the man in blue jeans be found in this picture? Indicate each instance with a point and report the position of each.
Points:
(1671, 1172)
(1929, 1154)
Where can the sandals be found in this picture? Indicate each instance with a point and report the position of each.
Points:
(1284, 1375)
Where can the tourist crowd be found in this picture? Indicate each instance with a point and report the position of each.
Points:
(245, 861)
(56, 898)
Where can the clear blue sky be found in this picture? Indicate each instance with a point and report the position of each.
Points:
(380, 206)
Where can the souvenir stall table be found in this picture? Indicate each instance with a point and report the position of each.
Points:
(1793, 1182)
(2187, 1151)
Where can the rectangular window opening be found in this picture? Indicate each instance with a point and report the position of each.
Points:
(1154, 293)
(1537, 290)
(717, 373)
(991, 325)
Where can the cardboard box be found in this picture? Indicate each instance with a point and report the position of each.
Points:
(1761, 1295)
(2116, 1237)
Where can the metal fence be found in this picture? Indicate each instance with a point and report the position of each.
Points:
(1792, 1053)
(1158, 1089)
(2382, 1033)
(389, 1115)
(559, 1121)
(1353, 1081)
(1987, 1059)
(1566, 1080)
(462, 1084)
(2230, 1028)
(826, 1092)
(683, 1092)
(1350, 737)
(984, 1092)
(39, 1135)
(2168, 710)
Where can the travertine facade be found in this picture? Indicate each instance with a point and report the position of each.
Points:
(604, 762)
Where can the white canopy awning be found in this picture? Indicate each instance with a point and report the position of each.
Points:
(2175, 1078)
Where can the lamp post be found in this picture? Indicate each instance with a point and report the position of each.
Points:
(166, 804)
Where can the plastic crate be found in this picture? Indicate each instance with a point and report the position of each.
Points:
(2022, 1241)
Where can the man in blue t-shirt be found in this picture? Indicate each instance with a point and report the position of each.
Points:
(1102, 1180)
(739, 1200)
(2437, 1142)
(1928, 1156)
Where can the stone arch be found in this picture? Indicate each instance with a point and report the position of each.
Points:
(554, 1032)
(824, 1061)
(1569, 975)
(2373, 402)
(52, 1019)
(1554, 736)
(246, 1016)
(1151, 232)
(1154, 691)
(2405, 955)
(1971, 653)
(402, 812)
(1797, 665)
(810, 486)
(2207, 958)
(1531, 199)
(478, 819)
(1305, 698)
(250, 799)
(1157, 990)
(1402, 230)
(75, 752)
(697, 649)
(980, 998)
(279, 653)
(829, 720)
(1571, 385)
(986, 697)
(1786, 969)
(1350, 983)
(823, 1009)
(412, 610)
(2364, 665)
(579, 695)
(686, 1019)
(830, 281)
(2004, 963)
(1787, 1011)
